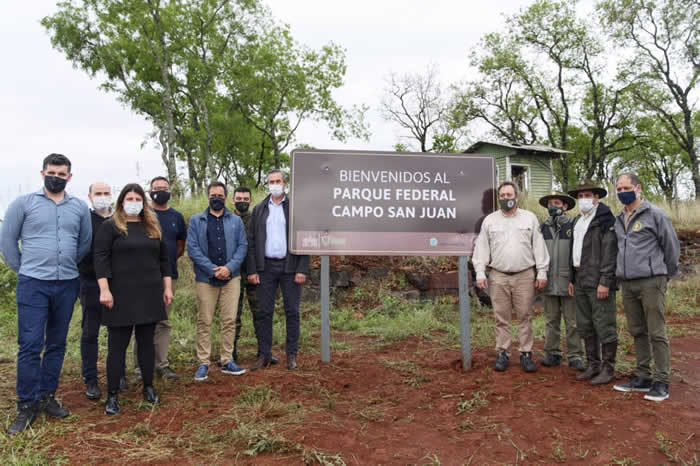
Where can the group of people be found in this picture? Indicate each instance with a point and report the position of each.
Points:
(578, 264)
(120, 259)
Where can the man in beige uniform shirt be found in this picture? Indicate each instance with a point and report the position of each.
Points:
(511, 246)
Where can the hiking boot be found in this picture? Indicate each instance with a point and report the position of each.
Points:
(149, 395)
(167, 373)
(577, 364)
(201, 373)
(637, 384)
(274, 360)
(292, 362)
(658, 392)
(526, 362)
(230, 368)
(123, 386)
(52, 407)
(112, 405)
(26, 415)
(551, 360)
(593, 358)
(260, 363)
(502, 362)
(92, 391)
(607, 368)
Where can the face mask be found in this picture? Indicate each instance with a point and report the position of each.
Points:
(555, 211)
(242, 207)
(217, 203)
(133, 208)
(160, 197)
(507, 204)
(276, 190)
(585, 204)
(54, 184)
(627, 197)
(101, 202)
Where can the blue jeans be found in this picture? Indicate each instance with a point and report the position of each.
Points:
(44, 311)
(270, 278)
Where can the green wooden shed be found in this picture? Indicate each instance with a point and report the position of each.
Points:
(530, 166)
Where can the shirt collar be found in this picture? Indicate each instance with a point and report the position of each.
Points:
(591, 213)
(111, 213)
(66, 196)
(284, 198)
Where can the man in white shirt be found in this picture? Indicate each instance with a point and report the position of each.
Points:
(511, 246)
(593, 283)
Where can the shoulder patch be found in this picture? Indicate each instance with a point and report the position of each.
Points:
(637, 226)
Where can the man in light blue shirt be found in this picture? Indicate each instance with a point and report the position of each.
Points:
(270, 265)
(55, 232)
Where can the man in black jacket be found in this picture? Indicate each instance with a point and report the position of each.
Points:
(100, 196)
(271, 265)
(593, 259)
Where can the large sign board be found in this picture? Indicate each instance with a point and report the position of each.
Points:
(388, 203)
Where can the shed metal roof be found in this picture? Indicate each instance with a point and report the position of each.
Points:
(520, 147)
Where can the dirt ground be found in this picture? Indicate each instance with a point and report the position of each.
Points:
(410, 403)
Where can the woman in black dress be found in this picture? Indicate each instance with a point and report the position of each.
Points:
(133, 272)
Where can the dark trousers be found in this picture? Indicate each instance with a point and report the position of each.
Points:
(117, 343)
(247, 290)
(92, 317)
(272, 277)
(44, 311)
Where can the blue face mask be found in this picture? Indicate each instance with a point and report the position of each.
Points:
(627, 197)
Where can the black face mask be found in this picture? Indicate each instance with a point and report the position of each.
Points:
(555, 211)
(54, 184)
(507, 204)
(217, 203)
(160, 197)
(242, 207)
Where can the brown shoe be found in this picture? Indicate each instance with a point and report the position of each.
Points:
(291, 362)
(607, 369)
(260, 363)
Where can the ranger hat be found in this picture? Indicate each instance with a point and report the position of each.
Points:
(566, 199)
(588, 185)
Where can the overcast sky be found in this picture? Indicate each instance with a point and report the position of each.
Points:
(47, 106)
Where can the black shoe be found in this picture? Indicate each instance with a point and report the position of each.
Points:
(112, 405)
(167, 373)
(123, 386)
(551, 360)
(26, 415)
(291, 362)
(52, 407)
(577, 364)
(502, 362)
(274, 360)
(260, 363)
(92, 391)
(637, 384)
(149, 395)
(658, 392)
(526, 362)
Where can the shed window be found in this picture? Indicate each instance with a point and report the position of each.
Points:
(520, 175)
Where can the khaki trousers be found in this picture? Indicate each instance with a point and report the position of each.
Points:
(513, 293)
(227, 298)
(161, 339)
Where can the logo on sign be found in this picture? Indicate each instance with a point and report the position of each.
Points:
(433, 241)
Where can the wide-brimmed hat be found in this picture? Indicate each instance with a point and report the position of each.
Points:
(565, 198)
(588, 185)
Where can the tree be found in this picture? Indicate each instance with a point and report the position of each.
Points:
(416, 103)
(663, 71)
(276, 84)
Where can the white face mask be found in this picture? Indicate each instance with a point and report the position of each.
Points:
(133, 208)
(585, 204)
(276, 189)
(102, 203)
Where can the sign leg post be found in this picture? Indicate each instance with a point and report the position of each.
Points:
(325, 310)
(464, 314)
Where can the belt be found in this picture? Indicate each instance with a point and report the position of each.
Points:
(274, 259)
(512, 273)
